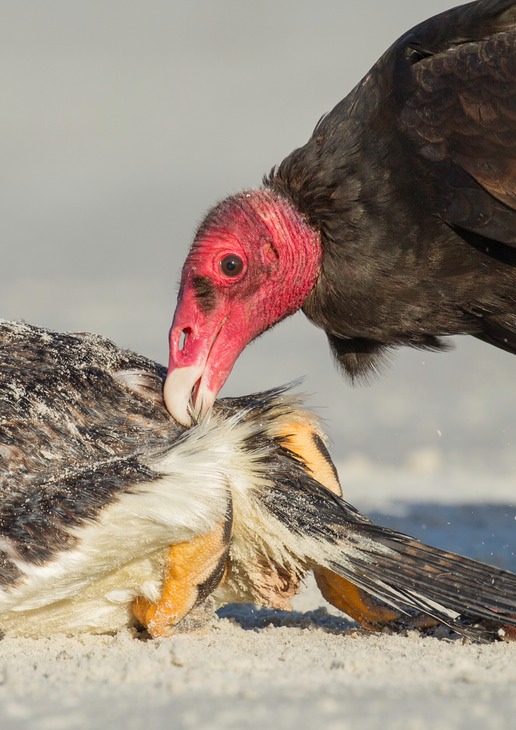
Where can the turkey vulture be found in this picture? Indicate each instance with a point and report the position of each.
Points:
(110, 510)
(395, 224)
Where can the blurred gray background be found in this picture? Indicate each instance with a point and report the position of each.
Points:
(122, 122)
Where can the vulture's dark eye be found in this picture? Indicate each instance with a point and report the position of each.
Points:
(231, 265)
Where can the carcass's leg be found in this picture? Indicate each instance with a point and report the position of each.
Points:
(194, 570)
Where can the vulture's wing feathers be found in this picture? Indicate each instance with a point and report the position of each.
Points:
(457, 94)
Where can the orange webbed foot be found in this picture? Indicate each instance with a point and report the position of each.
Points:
(193, 570)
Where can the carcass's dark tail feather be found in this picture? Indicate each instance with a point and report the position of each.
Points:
(406, 573)
(395, 568)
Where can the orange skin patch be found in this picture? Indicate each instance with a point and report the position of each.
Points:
(304, 438)
(194, 570)
(351, 600)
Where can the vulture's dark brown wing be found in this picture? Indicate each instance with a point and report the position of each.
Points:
(457, 99)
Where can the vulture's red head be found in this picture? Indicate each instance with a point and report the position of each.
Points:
(253, 262)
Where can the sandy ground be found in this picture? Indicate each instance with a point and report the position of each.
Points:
(295, 676)
(256, 668)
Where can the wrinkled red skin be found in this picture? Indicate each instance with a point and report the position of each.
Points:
(215, 320)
